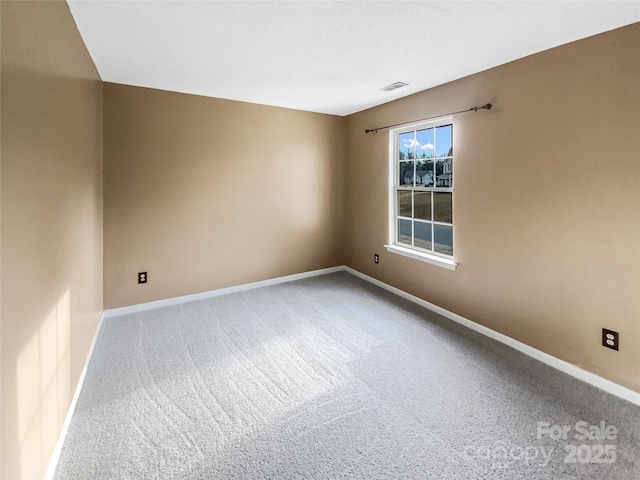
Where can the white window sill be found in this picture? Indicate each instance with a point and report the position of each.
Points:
(423, 256)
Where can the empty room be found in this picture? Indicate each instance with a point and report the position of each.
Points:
(320, 240)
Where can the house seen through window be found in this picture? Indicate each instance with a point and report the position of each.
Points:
(423, 188)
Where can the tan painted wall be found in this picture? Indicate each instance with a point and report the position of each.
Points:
(205, 193)
(547, 201)
(51, 226)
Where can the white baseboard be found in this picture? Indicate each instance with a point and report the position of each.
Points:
(55, 456)
(566, 367)
(117, 312)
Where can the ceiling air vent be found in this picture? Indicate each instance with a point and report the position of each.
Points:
(393, 86)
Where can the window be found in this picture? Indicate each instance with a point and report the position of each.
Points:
(421, 200)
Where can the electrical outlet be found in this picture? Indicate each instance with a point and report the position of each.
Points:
(610, 339)
(376, 258)
(142, 277)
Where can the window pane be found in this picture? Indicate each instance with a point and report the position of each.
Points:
(404, 203)
(444, 171)
(407, 146)
(424, 143)
(442, 210)
(422, 209)
(443, 141)
(443, 237)
(423, 179)
(404, 231)
(405, 174)
(423, 235)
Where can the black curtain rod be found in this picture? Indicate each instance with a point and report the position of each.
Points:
(472, 109)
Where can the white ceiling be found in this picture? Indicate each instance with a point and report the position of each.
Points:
(325, 56)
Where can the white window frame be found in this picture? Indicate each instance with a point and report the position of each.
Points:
(416, 253)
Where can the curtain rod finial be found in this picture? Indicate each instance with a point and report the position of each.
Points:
(486, 106)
